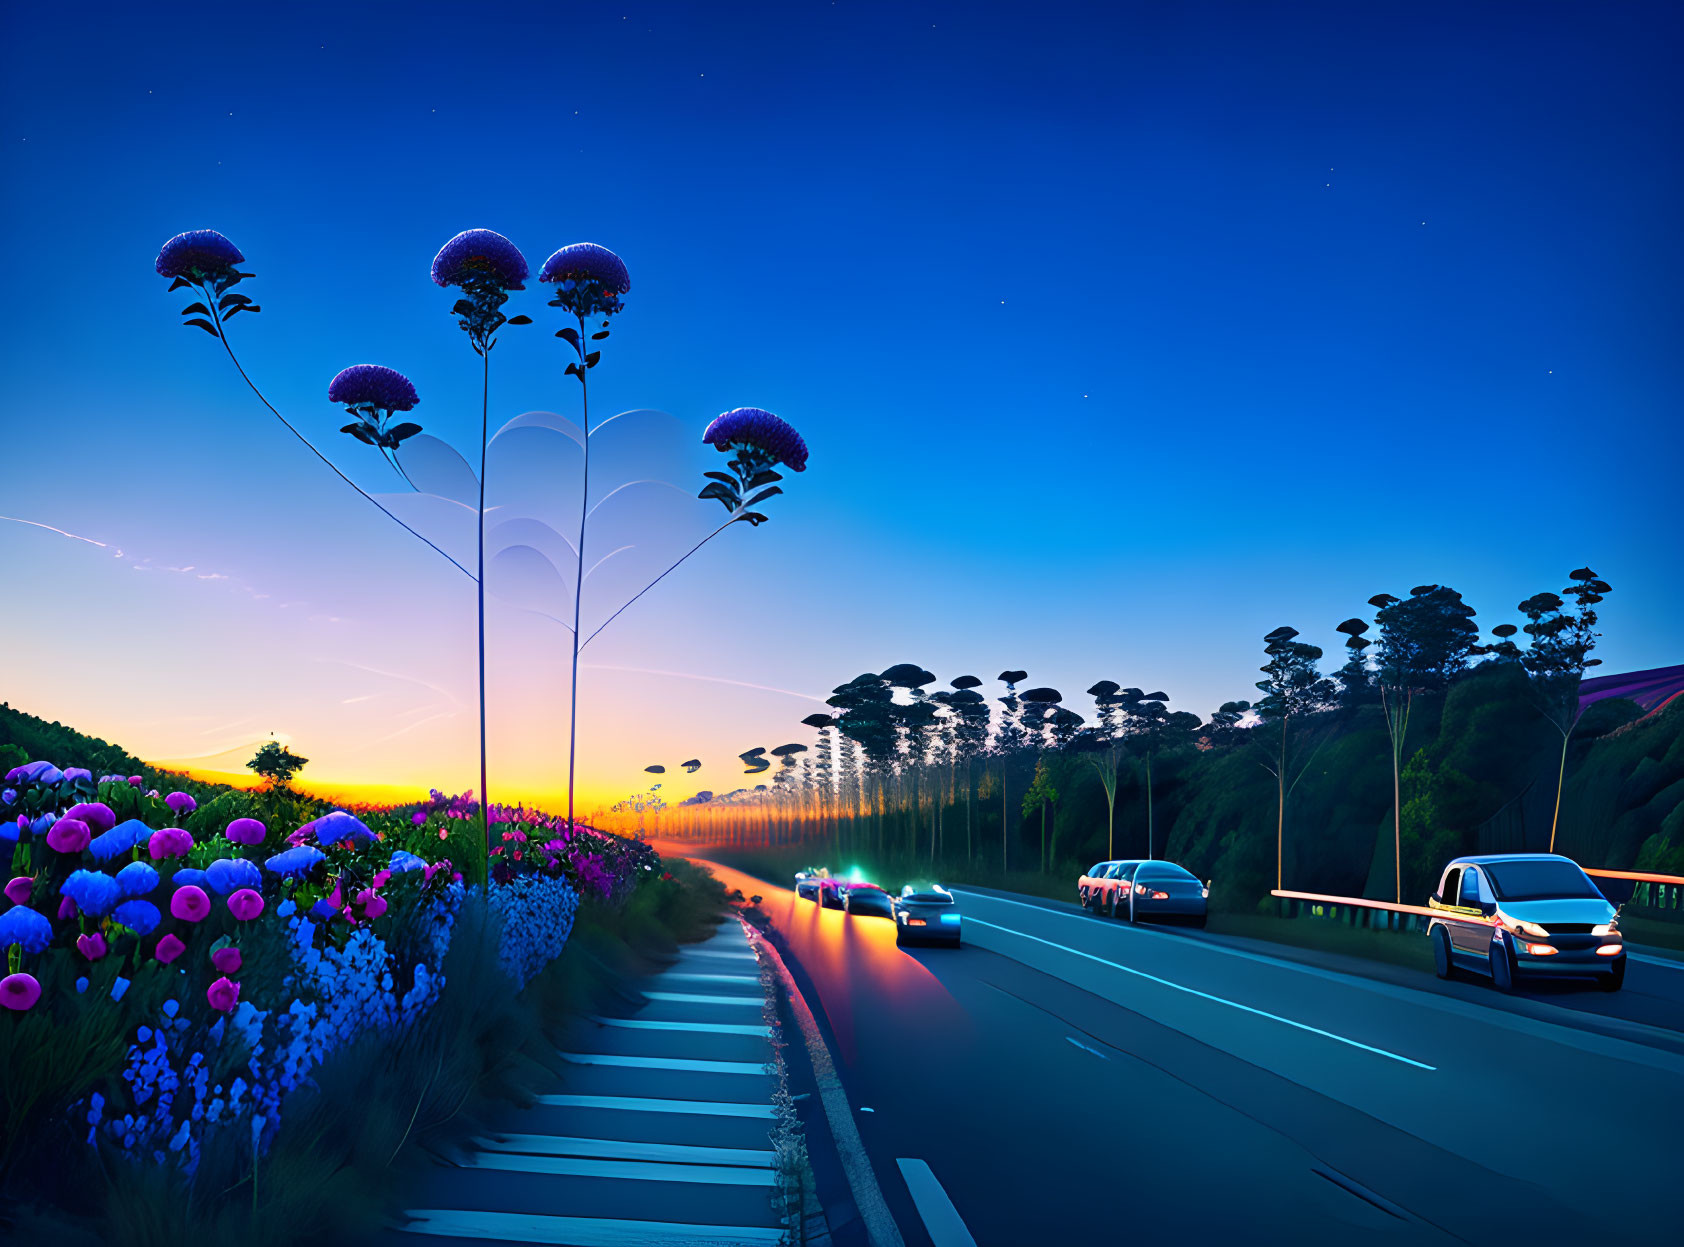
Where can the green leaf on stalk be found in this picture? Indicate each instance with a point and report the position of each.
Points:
(721, 476)
(180, 283)
(520, 320)
(763, 477)
(572, 335)
(598, 337)
(574, 370)
(763, 495)
(754, 518)
(461, 307)
(195, 309)
(233, 298)
(590, 360)
(724, 494)
(407, 429)
(205, 325)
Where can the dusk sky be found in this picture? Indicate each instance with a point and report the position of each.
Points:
(1120, 333)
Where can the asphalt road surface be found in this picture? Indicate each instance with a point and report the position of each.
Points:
(1065, 1078)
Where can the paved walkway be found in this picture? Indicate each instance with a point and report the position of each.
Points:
(657, 1136)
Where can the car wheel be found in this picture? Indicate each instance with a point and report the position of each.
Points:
(1444, 965)
(1502, 966)
(1616, 980)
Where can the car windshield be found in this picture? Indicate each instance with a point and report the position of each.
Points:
(1163, 870)
(929, 898)
(1539, 879)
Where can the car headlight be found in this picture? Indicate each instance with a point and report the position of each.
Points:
(1607, 928)
(1518, 927)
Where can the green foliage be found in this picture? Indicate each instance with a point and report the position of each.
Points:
(37, 738)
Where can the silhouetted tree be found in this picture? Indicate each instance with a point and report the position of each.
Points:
(1559, 655)
(1292, 689)
(277, 764)
(1009, 738)
(1041, 794)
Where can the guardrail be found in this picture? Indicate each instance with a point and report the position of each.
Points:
(1659, 892)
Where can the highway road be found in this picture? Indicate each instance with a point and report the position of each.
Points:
(1065, 1077)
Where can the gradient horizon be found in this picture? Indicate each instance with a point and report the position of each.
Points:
(1119, 337)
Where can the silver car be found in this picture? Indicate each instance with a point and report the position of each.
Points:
(1525, 915)
(926, 916)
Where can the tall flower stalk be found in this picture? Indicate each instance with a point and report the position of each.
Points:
(485, 266)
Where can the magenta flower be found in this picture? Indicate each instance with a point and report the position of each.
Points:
(246, 831)
(418, 817)
(17, 891)
(19, 992)
(69, 835)
(180, 803)
(136, 780)
(190, 904)
(66, 909)
(169, 948)
(223, 995)
(169, 842)
(91, 946)
(96, 814)
(226, 960)
(245, 905)
(373, 904)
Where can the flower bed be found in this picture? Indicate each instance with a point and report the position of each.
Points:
(208, 964)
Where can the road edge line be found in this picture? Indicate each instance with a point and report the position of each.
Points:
(874, 1212)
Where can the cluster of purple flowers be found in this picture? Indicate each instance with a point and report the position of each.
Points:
(759, 437)
(589, 280)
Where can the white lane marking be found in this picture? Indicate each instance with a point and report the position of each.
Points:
(632, 1170)
(692, 998)
(1193, 991)
(700, 1028)
(1085, 1048)
(533, 1227)
(946, 1227)
(744, 954)
(644, 1104)
(1654, 961)
(689, 1064)
(616, 1149)
(690, 977)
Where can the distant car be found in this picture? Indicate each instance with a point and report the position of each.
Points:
(831, 892)
(1156, 889)
(926, 916)
(867, 898)
(1525, 915)
(1102, 885)
(807, 882)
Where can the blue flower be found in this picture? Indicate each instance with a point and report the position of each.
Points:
(403, 860)
(122, 984)
(339, 827)
(770, 438)
(93, 891)
(324, 911)
(22, 925)
(81, 986)
(188, 876)
(197, 254)
(480, 255)
(372, 385)
(171, 1008)
(9, 830)
(74, 773)
(141, 917)
(9, 795)
(230, 874)
(295, 861)
(287, 908)
(137, 879)
(120, 839)
(43, 824)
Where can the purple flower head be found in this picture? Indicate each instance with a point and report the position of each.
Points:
(168, 842)
(223, 995)
(136, 780)
(589, 279)
(19, 992)
(169, 948)
(91, 946)
(480, 255)
(7, 796)
(48, 774)
(43, 824)
(74, 774)
(137, 879)
(245, 904)
(96, 814)
(197, 254)
(230, 874)
(296, 861)
(18, 890)
(227, 961)
(22, 925)
(180, 803)
(141, 917)
(765, 436)
(372, 385)
(190, 904)
(93, 891)
(68, 835)
(246, 831)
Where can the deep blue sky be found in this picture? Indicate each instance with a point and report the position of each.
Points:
(1121, 333)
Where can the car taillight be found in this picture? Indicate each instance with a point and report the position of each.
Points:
(1610, 950)
(1140, 889)
(1541, 950)
(916, 922)
(1160, 896)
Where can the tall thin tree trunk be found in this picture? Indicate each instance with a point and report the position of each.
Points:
(1560, 779)
(578, 587)
(484, 796)
(1280, 807)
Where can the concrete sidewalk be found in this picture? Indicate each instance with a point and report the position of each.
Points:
(658, 1135)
